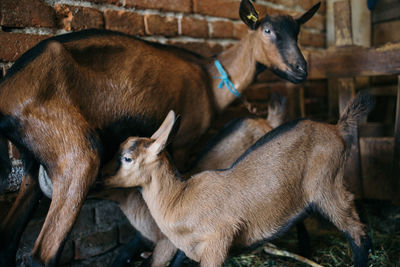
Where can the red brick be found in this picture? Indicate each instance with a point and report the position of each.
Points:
(164, 5)
(26, 13)
(13, 45)
(240, 30)
(221, 29)
(221, 8)
(194, 27)
(157, 25)
(286, 3)
(123, 21)
(113, 2)
(79, 18)
(204, 49)
(312, 39)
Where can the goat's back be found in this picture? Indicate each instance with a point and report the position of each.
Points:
(225, 147)
(120, 85)
(270, 177)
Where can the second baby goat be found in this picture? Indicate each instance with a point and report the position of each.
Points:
(293, 168)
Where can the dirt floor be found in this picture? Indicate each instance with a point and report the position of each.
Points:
(330, 247)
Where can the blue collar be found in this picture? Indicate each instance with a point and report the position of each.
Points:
(225, 79)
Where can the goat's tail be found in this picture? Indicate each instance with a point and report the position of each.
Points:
(277, 110)
(5, 163)
(358, 108)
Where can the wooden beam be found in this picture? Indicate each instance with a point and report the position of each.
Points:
(386, 10)
(347, 91)
(354, 61)
(343, 27)
(361, 23)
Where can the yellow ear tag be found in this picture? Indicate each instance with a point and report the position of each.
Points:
(252, 17)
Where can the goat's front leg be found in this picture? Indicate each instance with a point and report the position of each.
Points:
(163, 252)
(20, 213)
(215, 252)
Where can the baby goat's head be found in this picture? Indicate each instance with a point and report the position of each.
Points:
(138, 156)
(275, 41)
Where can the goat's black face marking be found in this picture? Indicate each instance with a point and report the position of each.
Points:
(283, 32)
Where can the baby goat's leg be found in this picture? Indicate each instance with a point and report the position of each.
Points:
(339, 207)
(215, 252)
(163, 252)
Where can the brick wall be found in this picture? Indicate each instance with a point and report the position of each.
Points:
(203, 26)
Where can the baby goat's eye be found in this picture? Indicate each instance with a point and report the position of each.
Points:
(126, 160)
(267, 30)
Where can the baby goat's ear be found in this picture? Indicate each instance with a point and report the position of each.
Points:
(166, 133)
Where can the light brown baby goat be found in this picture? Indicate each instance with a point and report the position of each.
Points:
(297, 166)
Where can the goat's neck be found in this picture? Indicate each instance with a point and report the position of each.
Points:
(240, 64)
(163, 192)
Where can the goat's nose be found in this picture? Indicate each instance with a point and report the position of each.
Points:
(301, 69)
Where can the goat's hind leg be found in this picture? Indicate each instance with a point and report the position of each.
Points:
(20, 213)
(71, 158)
(342, 213)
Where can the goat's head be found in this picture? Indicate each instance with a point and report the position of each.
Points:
(275, 41)
(138, 157)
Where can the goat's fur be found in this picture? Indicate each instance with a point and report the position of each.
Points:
(297, 166)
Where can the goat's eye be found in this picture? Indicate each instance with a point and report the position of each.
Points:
(267, 30)
(126, 160)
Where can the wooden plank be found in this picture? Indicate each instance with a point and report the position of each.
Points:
(386, 10)
(386, 32)
(346, 87)
(376, 159)
(382, 90)
(396, 154)
(354, 61)
(343, 28)
(347, 91)
(361, 23)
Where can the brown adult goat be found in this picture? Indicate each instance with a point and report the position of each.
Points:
(297, 166)
(73, 98)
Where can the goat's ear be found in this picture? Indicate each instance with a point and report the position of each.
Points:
(308, 15)
(166, 133)
(248, 14)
